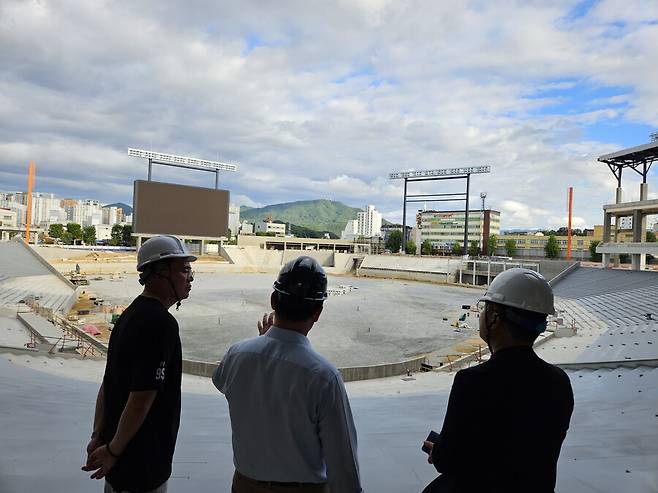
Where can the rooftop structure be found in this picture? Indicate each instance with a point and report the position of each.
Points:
(638, 159)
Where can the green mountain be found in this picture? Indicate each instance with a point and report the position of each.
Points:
(318, 215)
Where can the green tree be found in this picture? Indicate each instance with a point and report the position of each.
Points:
(394, 241)
(473, 248)
(67, 238)
(411, 247)
(596, 257)
(492, 243)
(651, 236)
(552, 248)
(426, 247)
(75, 230)
(126, 235)
(89, 235)
(56, 230)
(456, 248)
(116, 236)
(510, 247)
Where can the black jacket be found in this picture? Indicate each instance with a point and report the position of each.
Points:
(505, 423)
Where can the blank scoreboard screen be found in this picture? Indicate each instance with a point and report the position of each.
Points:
(164, 208)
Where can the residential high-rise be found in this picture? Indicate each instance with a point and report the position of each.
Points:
(367, 224)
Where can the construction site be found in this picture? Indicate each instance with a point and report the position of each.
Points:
(398, 327)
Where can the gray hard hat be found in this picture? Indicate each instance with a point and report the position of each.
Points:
(160, 248)
(302, 278)
(521, 288)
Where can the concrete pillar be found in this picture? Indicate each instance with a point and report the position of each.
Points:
(203, 248)
(139, 242)
(644, 195)
(618, 200)
(606, 227)
(606, 260)
(635, 261)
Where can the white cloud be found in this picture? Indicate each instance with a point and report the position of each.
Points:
(324, 102)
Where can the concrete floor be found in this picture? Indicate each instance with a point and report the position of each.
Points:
(612, 444)
(383, 321)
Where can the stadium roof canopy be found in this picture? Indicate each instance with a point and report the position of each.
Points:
(633, 158)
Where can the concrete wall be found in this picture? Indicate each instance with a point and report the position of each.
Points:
(381, 371)
(437, 277)
(205, 369)
(411, 267)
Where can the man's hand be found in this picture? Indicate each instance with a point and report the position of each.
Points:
(93, 444)
(99, 461)
(429, 445)
(264, 326)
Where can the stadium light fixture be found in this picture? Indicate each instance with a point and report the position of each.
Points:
(184, 161)
(439, 172)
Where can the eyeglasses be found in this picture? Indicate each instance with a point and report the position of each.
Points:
(189, 273)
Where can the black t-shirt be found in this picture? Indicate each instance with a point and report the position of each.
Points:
(144, 354)
(505, 423)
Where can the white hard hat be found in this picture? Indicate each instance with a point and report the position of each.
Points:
(521, 288)
(161, 247)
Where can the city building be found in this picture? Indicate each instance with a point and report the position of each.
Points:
(626, 222)
(367, 224)
(234, 218)
(246, 228)
(103, 233)
(534, 244)
(8, 217)
(265, 226)
(111, 215)
(387, 229)
(445, 228)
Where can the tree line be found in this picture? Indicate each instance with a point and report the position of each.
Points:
(73, 234)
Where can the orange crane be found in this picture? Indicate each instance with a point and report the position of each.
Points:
(30, 183)
(569, 226)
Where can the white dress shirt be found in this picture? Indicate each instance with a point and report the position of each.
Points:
(290, 415)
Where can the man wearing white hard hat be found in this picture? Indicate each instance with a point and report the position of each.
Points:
(138, 404)
(507, 417)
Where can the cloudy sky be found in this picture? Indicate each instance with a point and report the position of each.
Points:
(324, 99)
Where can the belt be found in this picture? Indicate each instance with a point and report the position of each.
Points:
(280, 484)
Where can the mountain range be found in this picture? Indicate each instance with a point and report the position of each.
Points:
(318, 215)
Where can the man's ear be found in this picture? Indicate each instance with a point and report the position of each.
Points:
(274, 300)
(317, 312)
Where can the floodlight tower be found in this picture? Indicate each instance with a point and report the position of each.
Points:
(181, 162)
(463, 173)
(483, 196)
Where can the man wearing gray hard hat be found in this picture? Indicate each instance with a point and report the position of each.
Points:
(291, 419)
(507, 417)
(138, 404)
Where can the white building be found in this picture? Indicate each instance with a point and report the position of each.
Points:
(367, 224)
(8, 217)
(626, 222)
(103, 232)
(110, 215)
(234, 218)
(246, 228)
(264, 226)
(351, 230)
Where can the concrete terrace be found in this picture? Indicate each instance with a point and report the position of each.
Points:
(24, 275)
(46, 408)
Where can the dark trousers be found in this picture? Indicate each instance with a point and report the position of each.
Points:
(243, 484)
